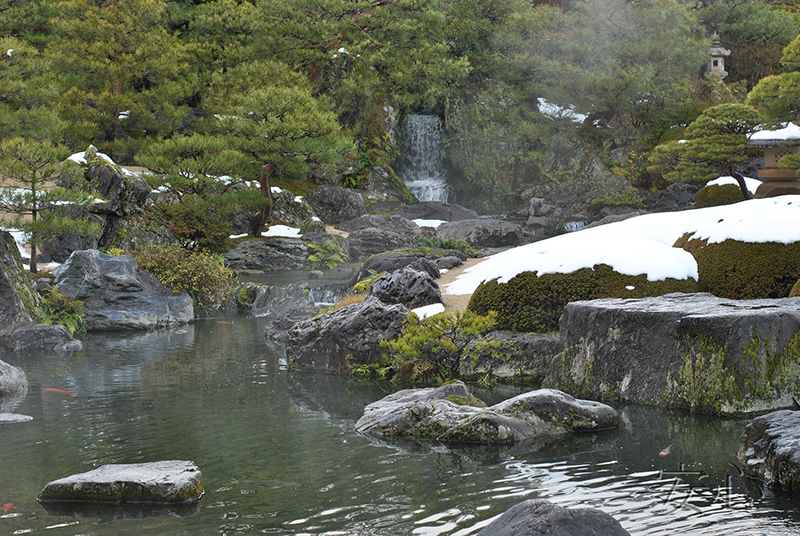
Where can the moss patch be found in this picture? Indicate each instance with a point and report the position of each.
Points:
(533, 303)
(717, 194)
(745, 270)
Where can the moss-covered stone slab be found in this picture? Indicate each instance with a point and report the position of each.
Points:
(172, 481)
(451, 414)
(692, 351)
(769, 449)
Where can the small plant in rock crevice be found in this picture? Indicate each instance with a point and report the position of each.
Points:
(58, 308)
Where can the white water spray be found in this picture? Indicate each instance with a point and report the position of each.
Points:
(422, 167)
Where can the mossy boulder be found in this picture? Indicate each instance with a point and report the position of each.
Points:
(18, 297)
(715, 195)
(529, 302)
(745, 270)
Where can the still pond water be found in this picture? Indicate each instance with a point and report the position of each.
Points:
(279, 455)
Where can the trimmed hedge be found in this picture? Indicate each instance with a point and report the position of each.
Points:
(745, 270)
(717, 194)
(533, 303)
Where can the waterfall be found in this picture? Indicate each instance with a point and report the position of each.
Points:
(422, 165)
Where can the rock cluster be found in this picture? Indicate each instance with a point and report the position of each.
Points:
(769, 449)
(445, 414)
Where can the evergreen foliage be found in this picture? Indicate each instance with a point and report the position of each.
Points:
(431, 350)
(30, 167)
(202, 275)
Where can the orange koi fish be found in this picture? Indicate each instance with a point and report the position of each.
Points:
(665, 452)
(223, 322)
(8, 506)
(50, 389)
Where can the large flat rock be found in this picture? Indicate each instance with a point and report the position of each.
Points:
(693, 351)
(173, 481)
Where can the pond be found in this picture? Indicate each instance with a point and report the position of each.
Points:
(279, 455)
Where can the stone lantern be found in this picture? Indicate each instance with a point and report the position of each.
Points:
(776, 145)
(717, 62)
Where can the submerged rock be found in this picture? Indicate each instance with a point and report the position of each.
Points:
(117, 294)
(449, 414)
(692, 351)
(769, 449)
(9, 418)
(538, 517)
(173, 481)
(43, 337)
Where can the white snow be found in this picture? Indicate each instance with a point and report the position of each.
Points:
(80, 158)
(642, 244)
(283, 231)
(752, 184)
(428, 223)
(790, 132)
(559, 112)
(428, 310)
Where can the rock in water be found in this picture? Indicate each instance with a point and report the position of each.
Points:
(769, 449)
(117, 294)
(538, 517)
(12, 379)
(450, 414)
(173, 481)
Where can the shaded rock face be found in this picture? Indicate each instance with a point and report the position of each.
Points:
(125, 193)
(172, 481)
(386, 188)
(769, 449)
(408, 286)
(128, 234)
(18, 298)
(366, 242)
(58, 248)
(354, 332)
(333, 204)
(538, 517)
(12, 379)
(288, 209)
(482, 233)
(524, 354)
(397, 224)
(277, 254)
(679, 196)
(693, 351)
(117, 294)
(434, 210)
(42, 337)
(440, 415)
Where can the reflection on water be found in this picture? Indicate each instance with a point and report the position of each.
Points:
(279, 455)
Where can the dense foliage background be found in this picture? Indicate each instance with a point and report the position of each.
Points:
(299, 87)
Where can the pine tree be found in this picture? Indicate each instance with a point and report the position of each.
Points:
(29, 168)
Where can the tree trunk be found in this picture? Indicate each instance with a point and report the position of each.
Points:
(266, 212)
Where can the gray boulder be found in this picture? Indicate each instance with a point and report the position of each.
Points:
(124, 193)
(769, 449)
(59, 247)
(449, 414)
(396, 224)
(679, 196)
(274, 255)
(367, 242)
(391, 261)
(42, 338)
(173, 481)
(482, 233)
(526, 355)
(408, 286)
(117, 294)
(18, 298)
(350, 334)
(12, 380)
(333, 204)
(289, 209)
(434, 210)
(538, 517)
(385, 188)
(692, 351)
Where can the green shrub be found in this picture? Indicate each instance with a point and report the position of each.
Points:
(745, 270)
(716, 195)
(431, 350)
(365, 285)
(328, 253)
(202, 275)
(58, 308)
(429, 241)
(533, 303)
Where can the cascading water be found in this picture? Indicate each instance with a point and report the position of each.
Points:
(422, 166)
